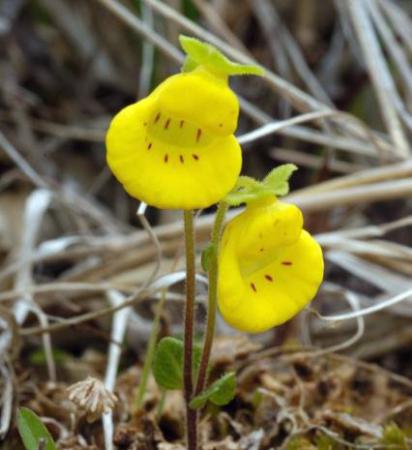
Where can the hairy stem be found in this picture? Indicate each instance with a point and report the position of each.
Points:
(212, 299)
(191, 414)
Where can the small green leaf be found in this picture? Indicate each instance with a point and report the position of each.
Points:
(201, 53)
(244, 182)
(224, 390)
(248, 189)
(220, 393)
(246, 195)
(32, 431)
(208, 254)
(278, 179)
(168, 362)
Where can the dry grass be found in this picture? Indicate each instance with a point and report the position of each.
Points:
(336, 99)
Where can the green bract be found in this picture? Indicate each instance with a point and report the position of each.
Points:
(275, 183)
(201, 54)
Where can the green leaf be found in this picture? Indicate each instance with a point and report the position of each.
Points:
(32, 431)
(278, 179)
(244, 182)
(248, 189)
(168, 362)
(220, 393)
(246, 195)
(201, 53)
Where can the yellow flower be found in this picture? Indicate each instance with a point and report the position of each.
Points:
(269, 267)
(176, 148)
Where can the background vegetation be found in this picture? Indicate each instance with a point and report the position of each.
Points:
(338, 96)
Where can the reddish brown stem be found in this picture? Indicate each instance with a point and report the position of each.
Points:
(191, 415)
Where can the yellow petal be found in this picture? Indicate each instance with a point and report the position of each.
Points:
(260, 229)
(257, 292)
(170, 150)
(202, 98)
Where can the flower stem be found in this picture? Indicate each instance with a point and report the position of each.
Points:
(191, 414)
(212, 299)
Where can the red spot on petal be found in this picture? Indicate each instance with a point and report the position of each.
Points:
(198, 134)
(157, 118)
(182, 122)
(166, 158)
(149, 146)
(252, 285)
(286, 263)
(196, 157)
(181, 159)
(268, 277)
(167, 123)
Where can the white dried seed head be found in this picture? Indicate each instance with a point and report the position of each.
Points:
(92, 397)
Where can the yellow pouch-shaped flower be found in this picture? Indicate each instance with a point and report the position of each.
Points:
(269, 267)
(175, 148)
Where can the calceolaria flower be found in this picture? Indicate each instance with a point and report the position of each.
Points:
(176, 148)
(269, 266)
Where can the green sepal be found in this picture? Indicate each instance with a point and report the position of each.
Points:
(168, 362)
(247, 189)
(202, 54)
(33, 432)
(220, 393)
